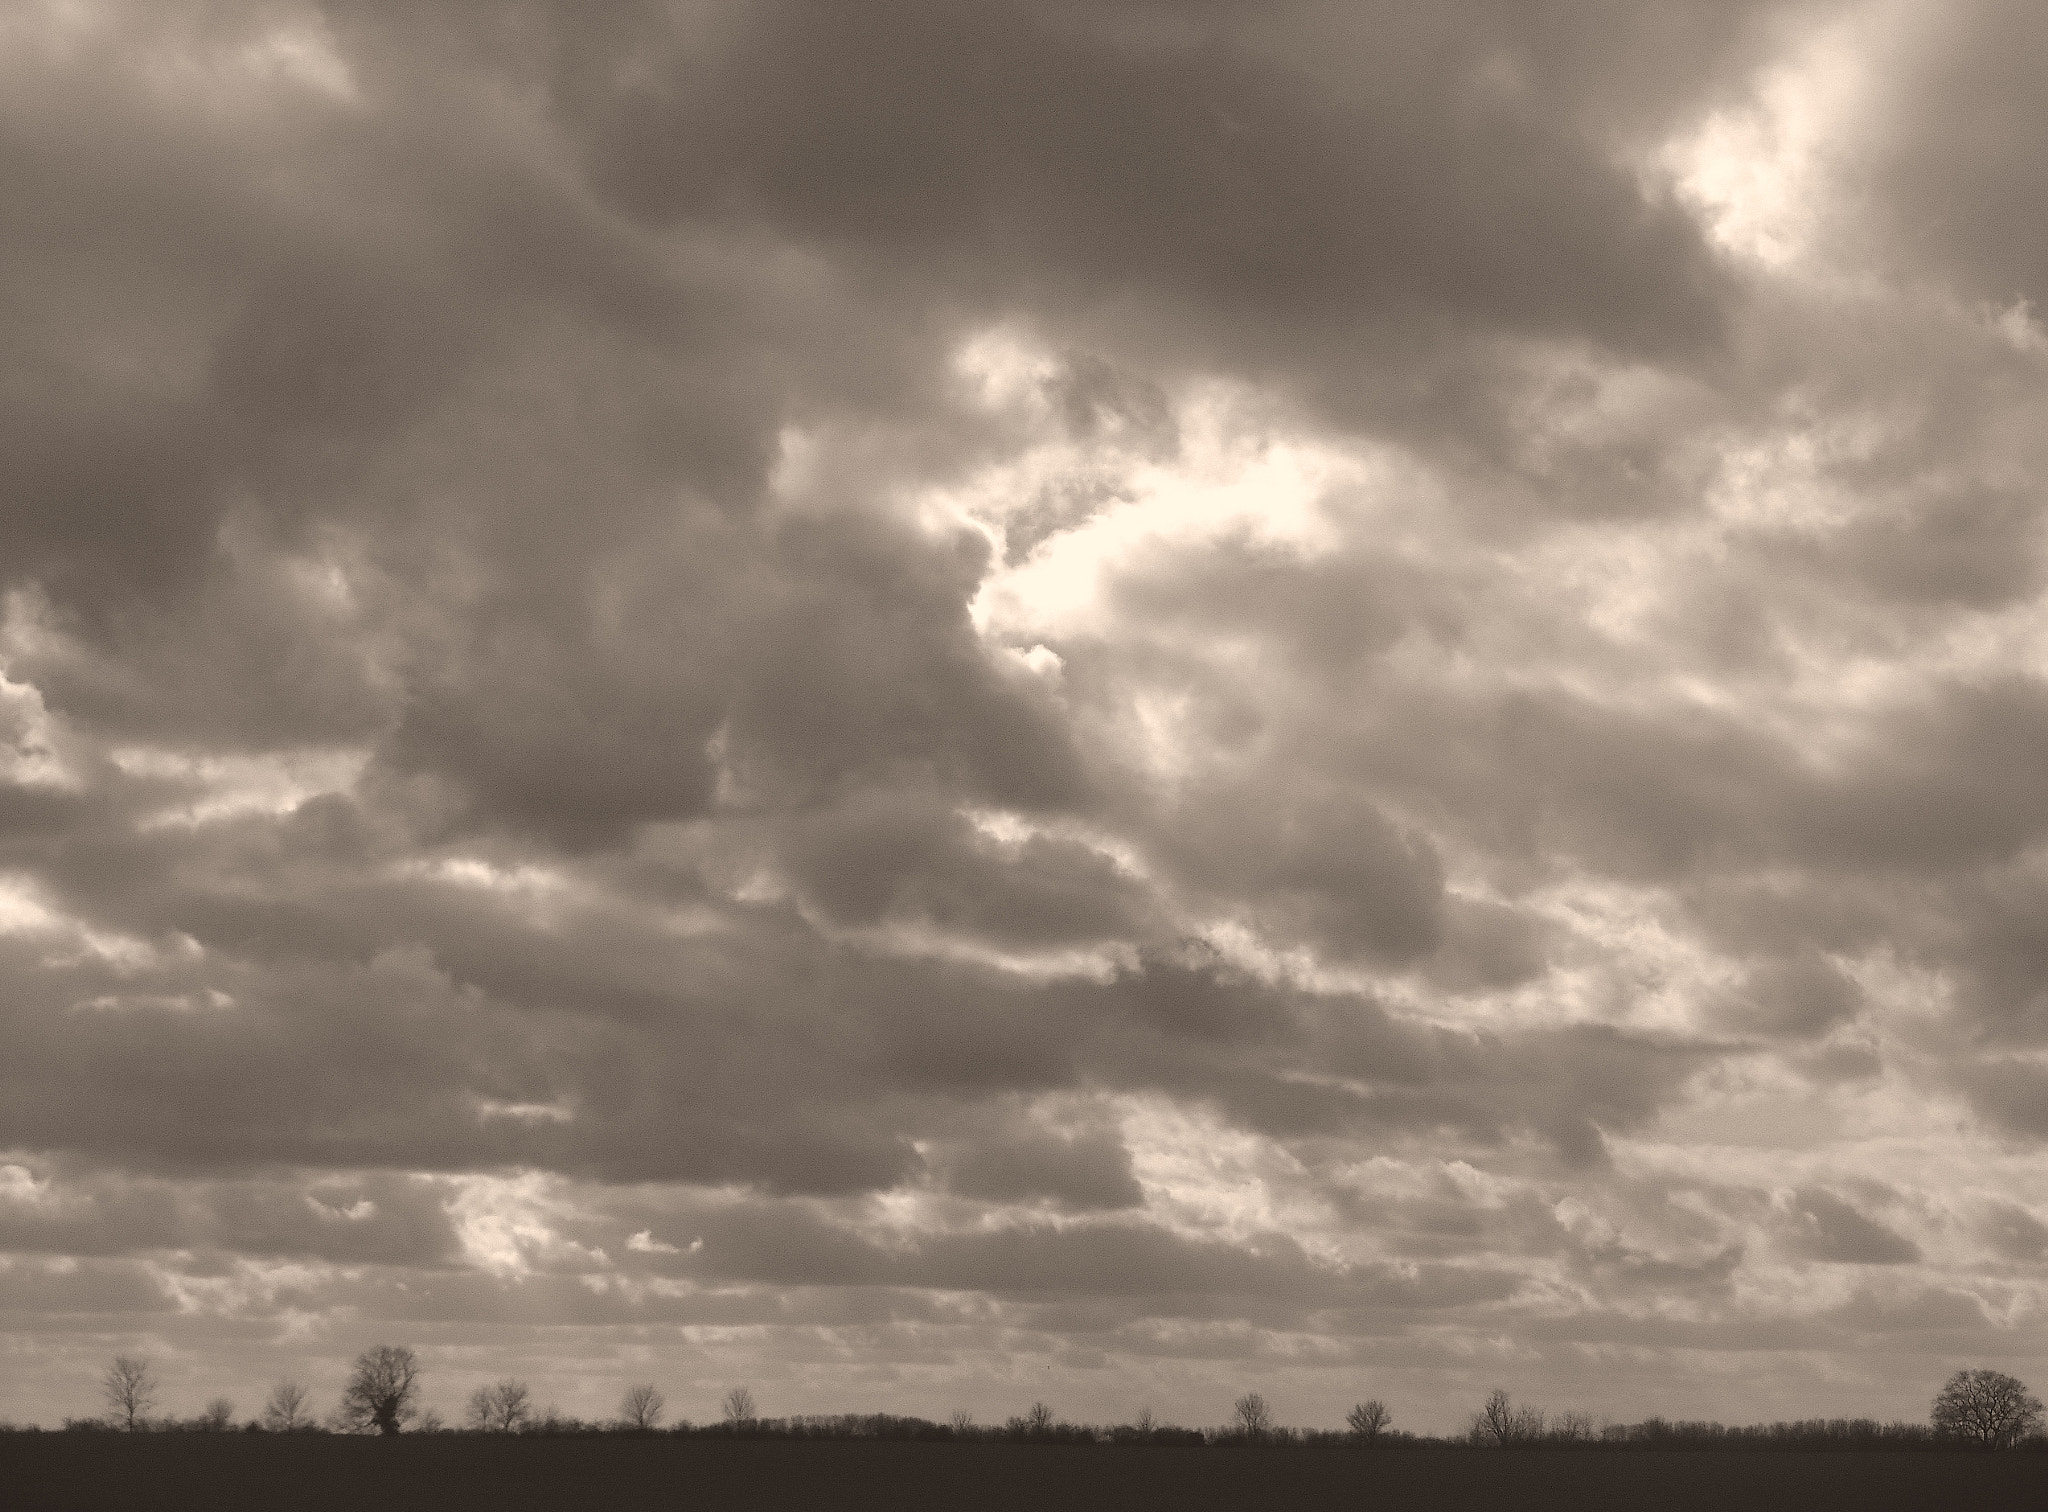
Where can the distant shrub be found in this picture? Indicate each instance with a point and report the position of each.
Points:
(1808, 1434)
(218, 1416)
(1236, 1434)
(1148, 1431)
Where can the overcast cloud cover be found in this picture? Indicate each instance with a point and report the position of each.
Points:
(934, 704)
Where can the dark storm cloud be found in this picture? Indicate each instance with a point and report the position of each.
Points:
(989, 142)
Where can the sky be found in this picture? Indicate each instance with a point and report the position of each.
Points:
(935, 705)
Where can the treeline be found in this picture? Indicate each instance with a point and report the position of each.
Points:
(1858, 1434)
(1976, 1408)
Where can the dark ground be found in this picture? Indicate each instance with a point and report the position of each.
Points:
(450, 1474)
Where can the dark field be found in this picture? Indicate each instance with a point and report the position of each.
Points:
(231, 1472)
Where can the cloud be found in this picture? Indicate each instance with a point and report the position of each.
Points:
(1120, 695)
(1232, 180)
(1955, 189)
(1830, 1229)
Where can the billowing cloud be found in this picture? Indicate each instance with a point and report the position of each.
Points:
(1026, 700)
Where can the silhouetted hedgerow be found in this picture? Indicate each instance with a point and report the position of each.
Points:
(1652, 1434)
(1979, 1409)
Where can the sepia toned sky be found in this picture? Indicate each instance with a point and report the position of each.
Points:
(935, 704)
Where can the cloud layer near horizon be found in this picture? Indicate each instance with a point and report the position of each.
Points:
(953, 703)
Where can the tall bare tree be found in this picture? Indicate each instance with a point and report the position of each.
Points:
(640, 1408)
(739, 1405)
(1369, 1419)
(1502, 1424)
(129, 1387)
(218, 1416)
(504, 1408)
(1987, 1407)
(285, 1412)
(383, 1390)
(1254, 1417)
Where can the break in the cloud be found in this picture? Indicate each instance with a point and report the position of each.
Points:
(948, 703)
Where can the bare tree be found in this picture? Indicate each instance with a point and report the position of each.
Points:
(504, 1408)
(1494, 1422)
(1502, 1424)
(1573, 1428)
(1369, 1419)
(285, 1412)
(1146, 1422)
(1254, 1417)
(1987, 1406)
(383, 1390)
(129, 1387)
(1039, 1419)
(218, 1416)
(640, 1408)
(739, 1405)
(963, 1420)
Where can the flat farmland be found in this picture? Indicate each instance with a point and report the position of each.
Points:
(231, 1472)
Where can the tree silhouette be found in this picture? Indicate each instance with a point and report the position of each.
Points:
(1368, 1419)
(640, 1408)
(285, 1412)
(1502, 1424)
(130, 1391)
(504, 1408)
(1254, 1417)
(1573, 1428)
(382, 1390)
(218, 1416)
(1987, 1406)
(739, 1405)
(1039, 1420)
